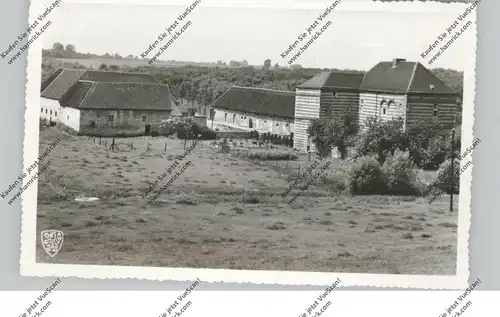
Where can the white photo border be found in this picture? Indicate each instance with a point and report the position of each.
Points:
(29, 267)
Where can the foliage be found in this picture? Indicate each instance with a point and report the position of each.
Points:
(381, 138)
(401, 175)
(328, 133)
(366, 177)
(268, 156)
(444, 177)
(186, 128)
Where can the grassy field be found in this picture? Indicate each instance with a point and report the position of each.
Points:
(226, 212)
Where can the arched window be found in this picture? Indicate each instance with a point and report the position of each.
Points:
(234, 117)
(383, 108)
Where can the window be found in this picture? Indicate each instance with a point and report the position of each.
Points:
(68, 117)
(144, 118)
(435, 110)
(42, 110)
(111, 118)
(92, 124)
(383, 108)
(46, 111)
(225, 117)
(50, 112)
(234, 117)
(56, 113)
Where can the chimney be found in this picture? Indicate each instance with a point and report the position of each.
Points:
(396, 61)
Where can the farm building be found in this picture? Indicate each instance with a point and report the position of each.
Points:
(264, 110)
(114, 102)
(53, 89)
(405, 89)
(328, 94)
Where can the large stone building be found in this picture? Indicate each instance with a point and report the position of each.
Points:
(248, 109)
(328, 94)
(52, 90)
(407, 90)
(391, 89)
(106, 102)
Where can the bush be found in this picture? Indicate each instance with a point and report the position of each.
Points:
(366, 177)
(271, 156)
(442, 182)
(401, 175)
(381, 138)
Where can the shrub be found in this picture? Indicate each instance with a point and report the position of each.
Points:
(366, 177)
(401, 175)
(381, 138)
(271, 156)
(438, 150)
(443, 179)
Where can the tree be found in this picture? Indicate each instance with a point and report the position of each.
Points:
(244, 63)
(70, 48)
(57, 47)
(267, 64)
(332, 132)
(103, 66)
(234, 63)
(114, 67)
(295, 66)
(276, 65)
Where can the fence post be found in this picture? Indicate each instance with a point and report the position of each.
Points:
(165, 146)
(132, 145)
(99, 140)
(113, 144)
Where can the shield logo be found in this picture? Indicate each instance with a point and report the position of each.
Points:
(52, 241)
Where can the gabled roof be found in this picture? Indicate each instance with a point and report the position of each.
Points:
(406, 77)
(123, 96)
(118, 77)
(59, 82)
(262, 101)
(334, 79)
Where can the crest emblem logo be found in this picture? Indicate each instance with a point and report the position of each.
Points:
(52, 241)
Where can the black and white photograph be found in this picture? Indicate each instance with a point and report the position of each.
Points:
(291, 142)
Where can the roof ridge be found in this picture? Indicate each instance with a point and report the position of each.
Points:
(260, 88)
(87, 94)
(119, 72)
(62, 71)
(412, 78)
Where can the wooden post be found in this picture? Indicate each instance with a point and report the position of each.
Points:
(132, 145)
(165, 146)
(113, 144)
(99, 140)
(452, 165)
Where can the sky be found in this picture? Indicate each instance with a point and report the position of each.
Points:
(360, 35)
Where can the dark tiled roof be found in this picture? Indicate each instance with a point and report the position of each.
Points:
(58, 83)
(123, 96)
(258, 100)
(118, 77)
(334, 79)
(404, 78)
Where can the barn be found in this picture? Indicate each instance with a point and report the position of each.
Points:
(114, 102)
(400, 88)
(260, 109)
(53, 88)
(328, 94)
